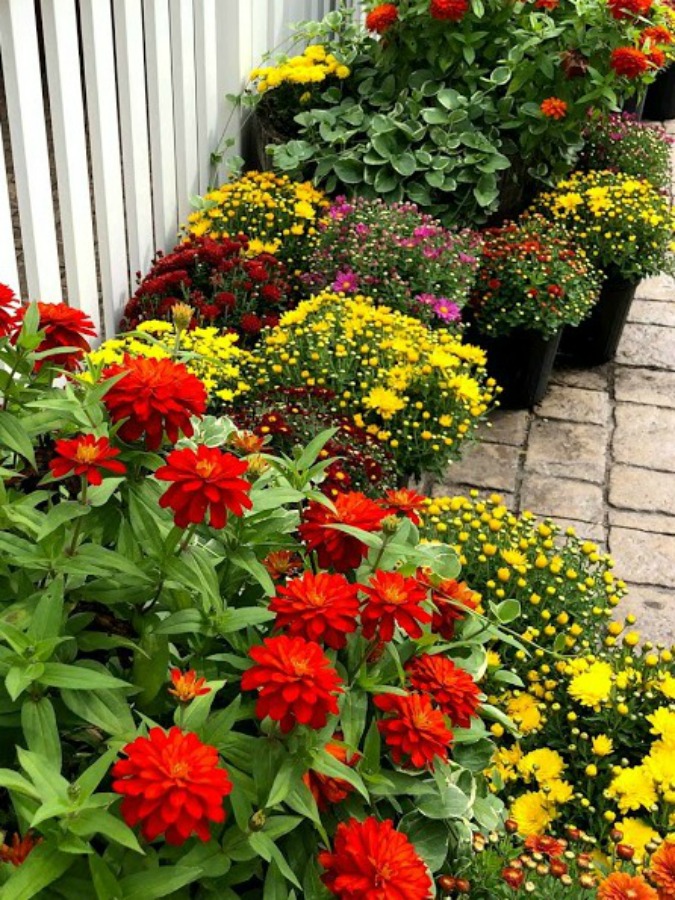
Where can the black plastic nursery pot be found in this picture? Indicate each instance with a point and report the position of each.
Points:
(596, 339)
(635, 105)
(521, 363)
(660, 102)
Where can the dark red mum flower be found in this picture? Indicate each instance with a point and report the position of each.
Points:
(416, 733)
(154, 396)
(452, 689)
(629, 9)
(8, 310)
(172, 785)
(63, 327)
(336, 549)
(451, 10)
(373, 861)
(16, 852)
(326, 790)
(629, 61)
(186, 685)
(204, 480)
(322, 608)
(86, 455)
(392, 599)
(295, 680)
(406, 502)
(382, 17)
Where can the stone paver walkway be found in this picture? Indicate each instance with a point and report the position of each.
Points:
(599, 454)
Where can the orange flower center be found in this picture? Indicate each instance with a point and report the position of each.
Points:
(302, 666)
(205, 468)
(180, 769)
(393, 594)
(86, 453)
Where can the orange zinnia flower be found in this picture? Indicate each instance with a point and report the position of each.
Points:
(452, 689)
(416, 733)
(391, 600)
(629, 61)
(281, 562)
(554, 108)
(404, 501)
(322, 608)
(662, 870)
(186, 685)
(544, 843)
(622, 886)
(326, 790)
(628, 9)
(452, 599)
(86, 455)
(336, 549)
(16, 852)
(382, 17)
(370, 859)
(172, 785)
(63, 326)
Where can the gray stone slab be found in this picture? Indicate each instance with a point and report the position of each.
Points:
(567, 450)
(652, 387)
(653, 312)
(641, 520)
(662, 287)
(642, 490)
(647, 345)
(506, 426)
(654, 609)
(585, 530)
(573, 404)
(644, 436)
(589, 379)
(645, 558)
(560, 498)
(493, 466)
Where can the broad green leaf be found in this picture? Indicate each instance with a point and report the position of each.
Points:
(158, 882)
(198, 709)
(105, 709)
(47, 619)
(16, 783)
(151, 667)
(19, 678)
(59, 515)
(430, 839)
(44, 774)
(289, 775)
(506, 611)
(451, 804)
(42, 867)
(78, 678)
(14, 436)
(38, 722)
(185, 621)
(97, 821)
(232, 620)
(326, 764)
(103, 881)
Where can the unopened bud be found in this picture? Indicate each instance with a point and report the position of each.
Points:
(182, 315)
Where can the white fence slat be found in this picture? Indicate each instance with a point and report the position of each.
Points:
(259, 12)
(209, 98)
(99, 68)
(23, 89)
(62, 57)
(160, 110)
(128, 18)
(184, 103)
(9, 271)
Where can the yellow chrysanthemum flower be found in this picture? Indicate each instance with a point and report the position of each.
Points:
(633, 788)
(524, 711)
(542, 765)
(533, 813)
(602, 745)
(593, 686)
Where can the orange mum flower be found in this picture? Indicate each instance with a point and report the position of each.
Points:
(8, 310)
(16, 852)
(186, 685)
(405, 502)
(373, 861)
(662, 869)
(629, 61)
(554, 108)
(328, 791)
(86, 455)
(247, 442)
(382, 17)
(205, 480)
(628, 9)
(336, 549)
(321, 608)
(172, 785)
(452, 689)
(154, 396)
(416, 732)
(392, 599)
(281, 562)
(452, 599)
(621, 886)
(544, 843)
(63, 327)
(295, 680)
(450, 10)
(656, 34)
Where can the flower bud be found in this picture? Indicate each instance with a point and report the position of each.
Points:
(181, 314)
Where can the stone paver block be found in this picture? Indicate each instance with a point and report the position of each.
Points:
(574, 404)
(659, 523)
(645, 436)
(654, 610)
(507, 426)
(647, 345)
(587, 531)
(590, 379)
(493, 466)
(643, 490)
(567, 450)
(653, 312)
(559, 498)
(642, 557)
(648, 386)
(660, 288)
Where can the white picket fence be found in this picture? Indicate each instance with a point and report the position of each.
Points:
(113, 108)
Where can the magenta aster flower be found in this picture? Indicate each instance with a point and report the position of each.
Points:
(447, 310)
(346, 282)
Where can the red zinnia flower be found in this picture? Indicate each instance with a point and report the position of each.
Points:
(295, 680)
(63, 327)
(321, 608)
(172, 785)
(86, 455)
(453, 10)
(328, 791)
(336, 549)
(657, 58)
(393, 600)
(373, 861)
(204, 480)
(382, 17)
(186, 685)
(449, 597)
(8, 310)
(547, 4)
(154, 396)
(656, 34)
(622, 886)
(452, 689)
(629, 61)
(554, 108)
(628, 9)
(404, 501)
(16, 852)
(544, 843)
(416, 732)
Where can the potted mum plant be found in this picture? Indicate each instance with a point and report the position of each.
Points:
(528, 286)
(625, 226)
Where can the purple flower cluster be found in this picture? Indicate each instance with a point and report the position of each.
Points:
(620, 142)
(445, 309)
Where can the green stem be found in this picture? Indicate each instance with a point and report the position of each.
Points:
(78, 525)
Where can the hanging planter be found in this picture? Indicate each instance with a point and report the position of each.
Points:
(660, 102)
(595, 340)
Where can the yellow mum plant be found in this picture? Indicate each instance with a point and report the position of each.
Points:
(420, 390)
(313, 66)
